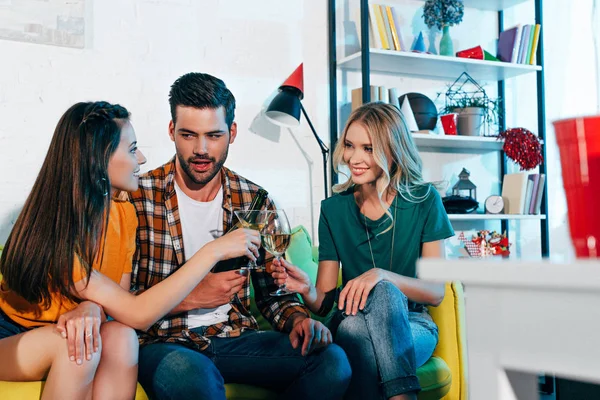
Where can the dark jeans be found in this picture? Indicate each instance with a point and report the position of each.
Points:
(9, 328)
(266, 359)
(385, 344)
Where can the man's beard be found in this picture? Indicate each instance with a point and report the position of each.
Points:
(202, 178)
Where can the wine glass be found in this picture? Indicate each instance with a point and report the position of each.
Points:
(275, 237)
(252, 219)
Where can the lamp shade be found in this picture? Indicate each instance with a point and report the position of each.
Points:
(285, 108)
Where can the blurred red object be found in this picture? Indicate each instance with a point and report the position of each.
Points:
(579, 145)
(474, 52)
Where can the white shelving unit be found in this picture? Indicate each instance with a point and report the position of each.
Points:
(456, 144)
(493, 217)
(367, 61)
(436, 67)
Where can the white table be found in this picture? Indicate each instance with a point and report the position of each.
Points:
(523, 319)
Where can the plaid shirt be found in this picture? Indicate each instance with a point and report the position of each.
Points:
(160, 253)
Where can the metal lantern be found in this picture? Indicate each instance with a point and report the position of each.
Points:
(464, 187)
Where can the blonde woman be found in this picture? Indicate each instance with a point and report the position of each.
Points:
(383, 218)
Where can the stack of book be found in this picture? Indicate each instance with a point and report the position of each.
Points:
(384, 28)
(378, 93)
(522, 193)
(519, 44)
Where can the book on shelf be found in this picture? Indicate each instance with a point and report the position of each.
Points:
(384, 94)
(516, 43)
(529, 45)
(535, 179)
(394, 97)
(393, 31)
(539, 194)
(357, 99)
(507, 44)
(528, 194)
(519, 44)
(378, 93)
(398, 27)
(379, 25)
(524, 43)
(385, 31)
(523, 192)
(514, 192)
(536, 40)
(387, 26)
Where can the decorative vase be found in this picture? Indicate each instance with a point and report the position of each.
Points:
(446, 48)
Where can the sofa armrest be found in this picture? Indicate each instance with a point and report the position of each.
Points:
(449, 317)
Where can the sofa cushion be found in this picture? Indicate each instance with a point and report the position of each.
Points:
(300, 252)
(33, 390)
(237, 391)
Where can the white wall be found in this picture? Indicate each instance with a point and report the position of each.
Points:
(136, 49)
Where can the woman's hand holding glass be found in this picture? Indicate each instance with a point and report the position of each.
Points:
(294, 279)
(237, 243)
(276, 236)
(255, 220)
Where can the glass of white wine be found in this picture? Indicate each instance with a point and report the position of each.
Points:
(275, 237)
(252, 219)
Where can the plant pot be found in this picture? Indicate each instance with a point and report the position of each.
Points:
(470, 121)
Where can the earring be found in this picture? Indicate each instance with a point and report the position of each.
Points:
(102, 182)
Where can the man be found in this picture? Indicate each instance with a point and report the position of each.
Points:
(211, 338)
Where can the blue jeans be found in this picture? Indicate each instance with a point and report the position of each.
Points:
(266, 359)
(9, 328)
(385, 344)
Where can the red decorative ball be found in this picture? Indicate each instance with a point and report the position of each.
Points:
(523, 147)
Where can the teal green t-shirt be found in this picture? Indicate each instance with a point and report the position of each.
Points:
(343, 237)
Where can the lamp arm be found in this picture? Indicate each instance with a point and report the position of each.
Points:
(324, 148)
(324, 151)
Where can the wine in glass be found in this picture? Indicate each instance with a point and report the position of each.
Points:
(252, 219)
(275, 237)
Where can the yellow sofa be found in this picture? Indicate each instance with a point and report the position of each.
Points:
(443, 377)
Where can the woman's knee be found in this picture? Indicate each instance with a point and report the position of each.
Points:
(119, 341)
(386, 292)
(352, 332)
(80, 366)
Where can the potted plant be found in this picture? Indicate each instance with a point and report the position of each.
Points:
(474, 112)
(443, 14)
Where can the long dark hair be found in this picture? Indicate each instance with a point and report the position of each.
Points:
(67, 210)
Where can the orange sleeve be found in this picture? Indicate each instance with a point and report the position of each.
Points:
(78, 270)
(130, 229)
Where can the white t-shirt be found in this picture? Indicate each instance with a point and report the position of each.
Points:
(201, 222)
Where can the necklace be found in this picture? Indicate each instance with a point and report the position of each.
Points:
(393, 235)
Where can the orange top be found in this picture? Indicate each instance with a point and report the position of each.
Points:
(117, 259)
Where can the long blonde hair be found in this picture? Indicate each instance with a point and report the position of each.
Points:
(387, 129)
